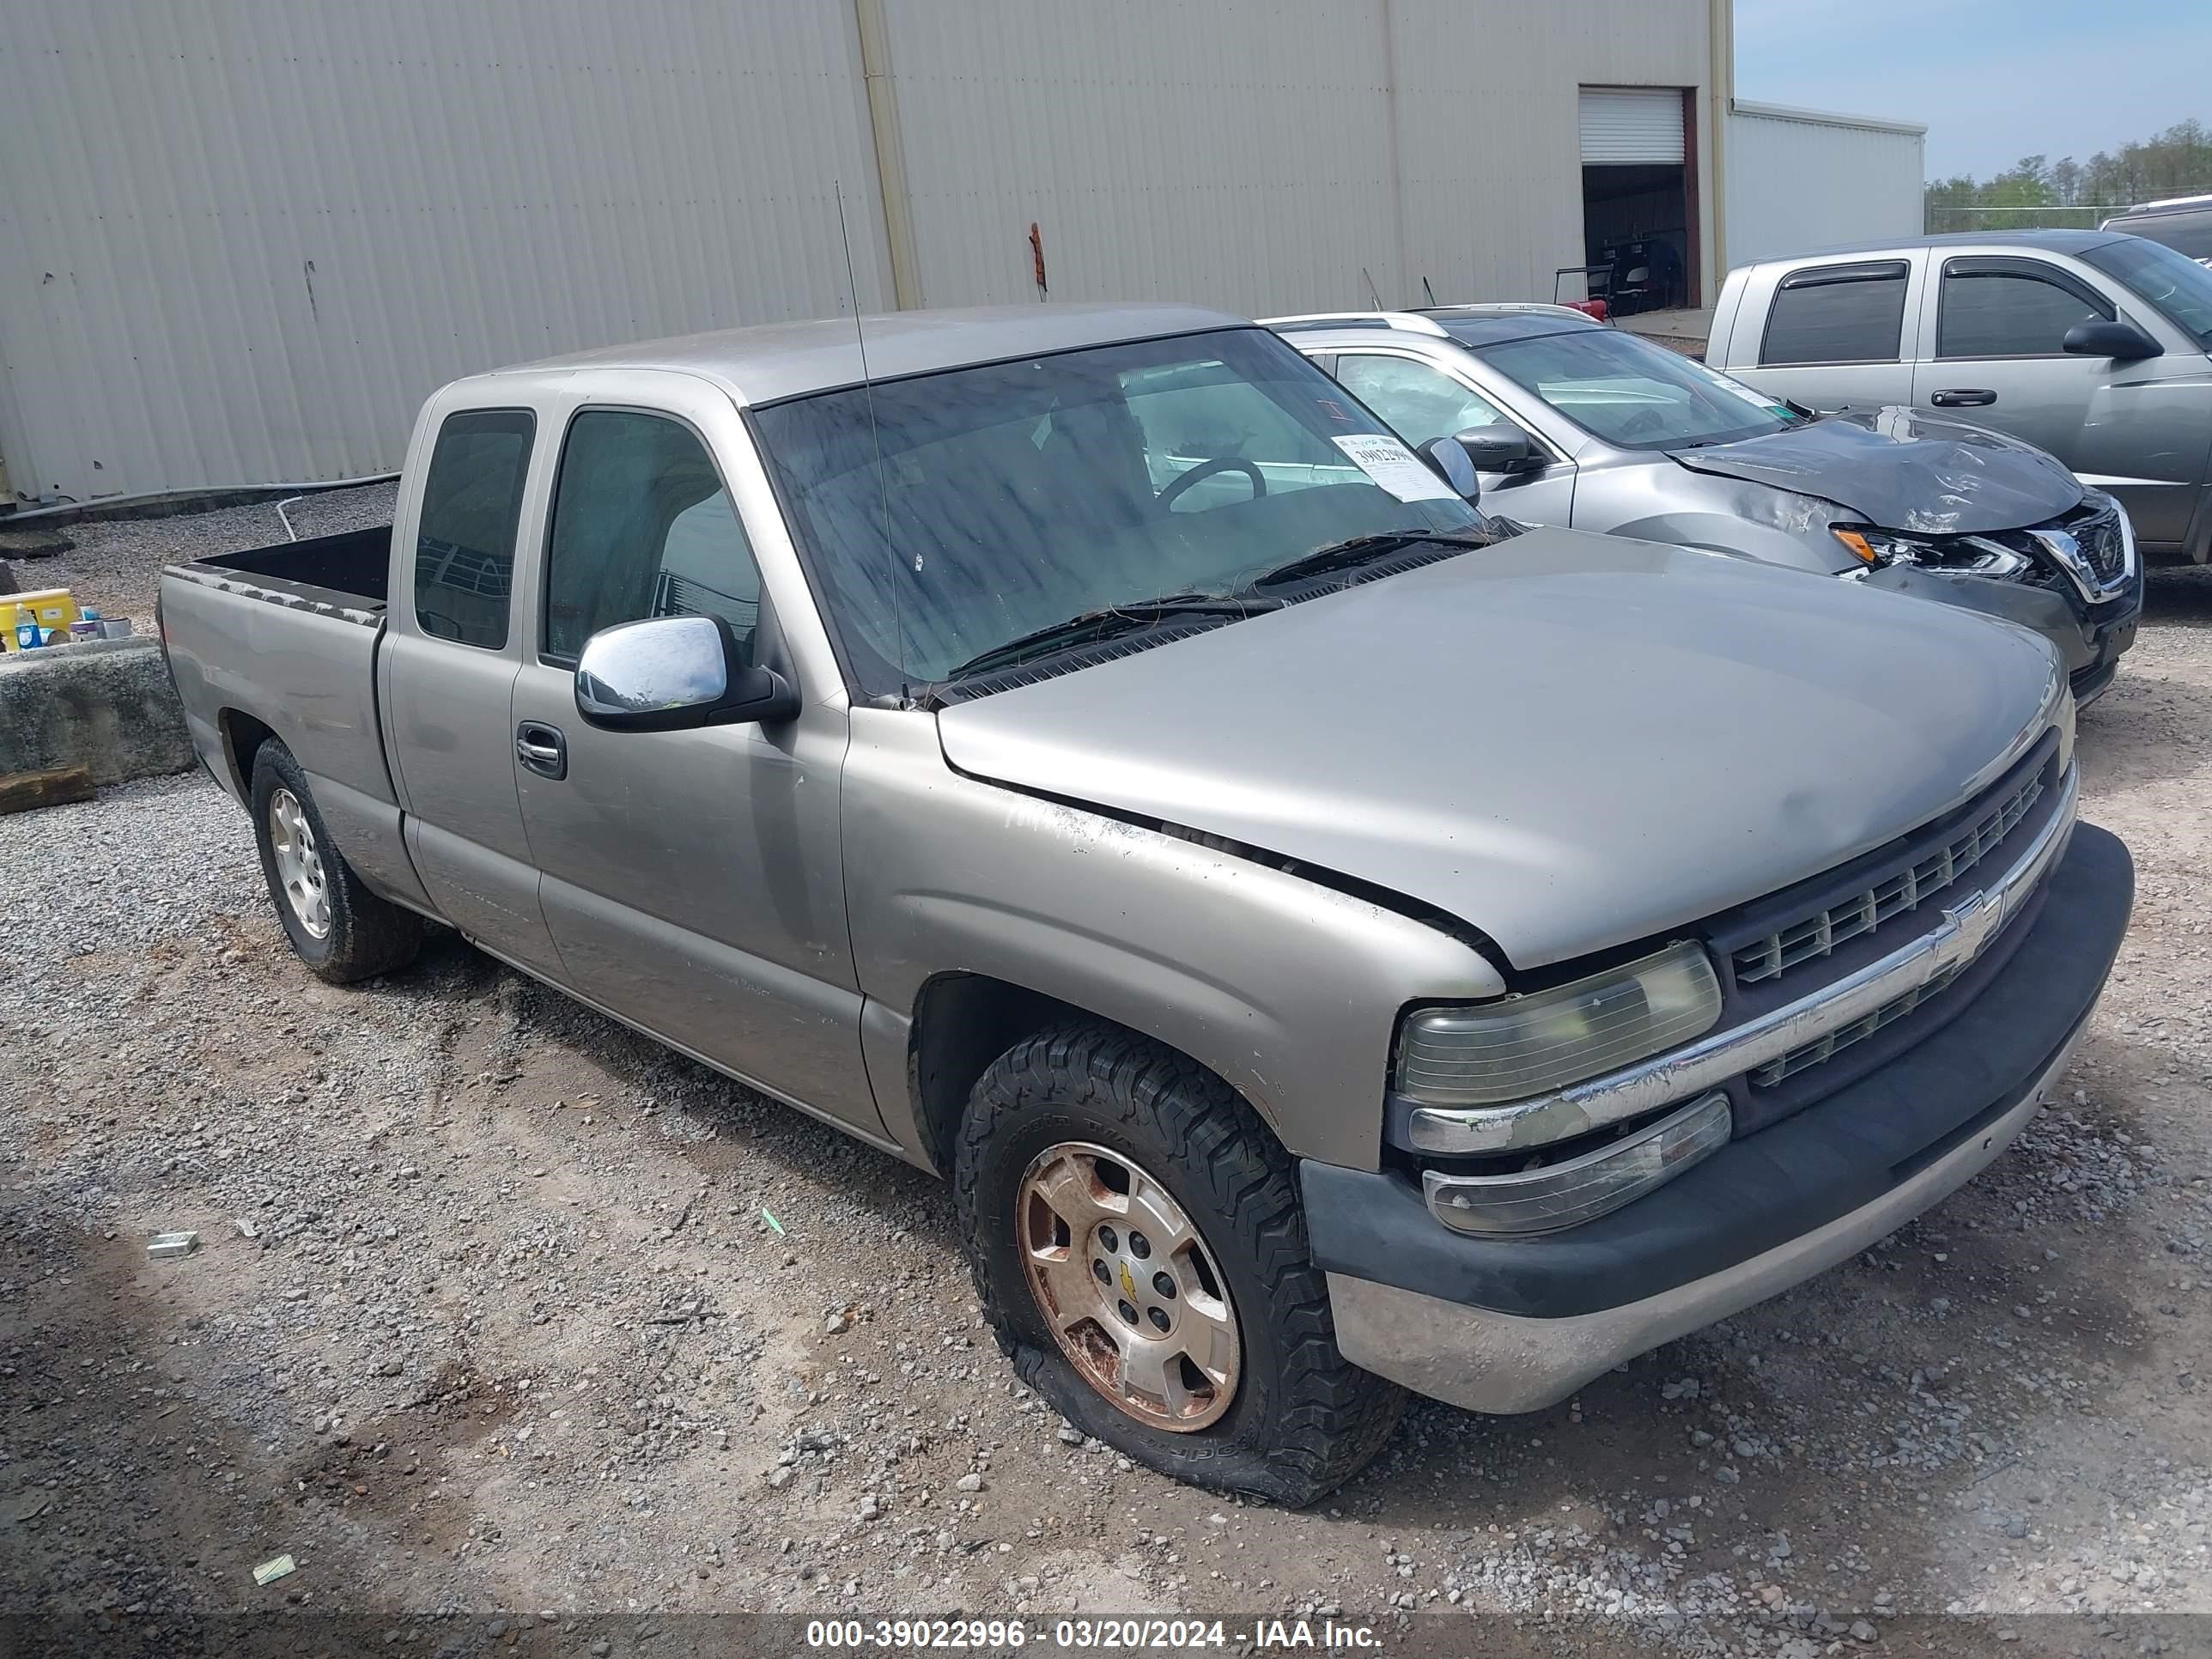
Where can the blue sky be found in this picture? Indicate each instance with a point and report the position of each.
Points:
(1994, 80)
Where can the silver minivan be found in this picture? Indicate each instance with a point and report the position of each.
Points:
(2090, 345)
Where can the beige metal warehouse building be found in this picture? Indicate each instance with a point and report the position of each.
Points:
(240, 239)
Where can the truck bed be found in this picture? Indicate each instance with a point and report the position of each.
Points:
(356, 565)
(283, 641)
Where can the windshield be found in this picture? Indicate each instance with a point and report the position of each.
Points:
(1633, 394)
(2173, 284)
(1015, 496)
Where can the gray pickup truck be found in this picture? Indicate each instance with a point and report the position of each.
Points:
(1330, 941)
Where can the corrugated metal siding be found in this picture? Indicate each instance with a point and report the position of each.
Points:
(481, 182)
(1245, 155)
(240, 240)
(1235, 155)
(1490, 115)
(1801, 183)
(1631, 125)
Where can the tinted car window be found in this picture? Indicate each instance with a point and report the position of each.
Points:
(2173, 283)
(2007, 314)
(465, 541)
(2189, 233)
(642, 527)
(1836, 314)
(1421, 404)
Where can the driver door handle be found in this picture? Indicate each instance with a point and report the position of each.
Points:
(1963, 397)
(541, 748)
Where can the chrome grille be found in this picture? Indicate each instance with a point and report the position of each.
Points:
(1812, 1053)
(2098, 537)
(1819, 933)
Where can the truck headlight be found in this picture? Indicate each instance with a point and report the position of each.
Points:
(1529, 1045)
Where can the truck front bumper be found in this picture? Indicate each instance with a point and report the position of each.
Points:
(1515, 1324)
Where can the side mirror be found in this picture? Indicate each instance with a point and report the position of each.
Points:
(2122, 342)
(1498, 449)
(672, 673)
(1448, 458)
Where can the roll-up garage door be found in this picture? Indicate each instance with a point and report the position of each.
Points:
(1625, 127)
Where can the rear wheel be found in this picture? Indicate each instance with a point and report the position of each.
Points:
(337, 925)
(1138, 1243)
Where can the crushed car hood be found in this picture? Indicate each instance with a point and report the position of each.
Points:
(1567, 741)
(1903, 471)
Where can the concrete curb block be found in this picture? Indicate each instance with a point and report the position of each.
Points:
(105, 704)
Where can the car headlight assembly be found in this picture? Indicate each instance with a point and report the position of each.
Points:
(1497, 1052)
(1980, 556)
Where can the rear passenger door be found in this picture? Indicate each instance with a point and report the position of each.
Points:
(446, 681)
(692, 879)
(1835, 334)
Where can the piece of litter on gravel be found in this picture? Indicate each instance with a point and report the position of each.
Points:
(246, 1229)
(771, 1220)
(173, 1244)
(270, 1571)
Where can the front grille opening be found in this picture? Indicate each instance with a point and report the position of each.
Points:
(1812, 1054)
(1819, 934)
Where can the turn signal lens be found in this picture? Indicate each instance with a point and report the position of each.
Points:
(1856, 542)
(1581, 1188)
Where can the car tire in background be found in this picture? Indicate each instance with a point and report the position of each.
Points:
(1138, 1241)
(337, 925)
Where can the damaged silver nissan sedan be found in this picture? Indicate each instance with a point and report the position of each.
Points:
(1331, 943)
(1570, 422)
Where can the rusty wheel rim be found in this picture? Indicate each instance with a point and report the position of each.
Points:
(1128, 1286)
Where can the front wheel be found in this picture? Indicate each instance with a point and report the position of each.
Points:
(337, 925)
(1138, 1245)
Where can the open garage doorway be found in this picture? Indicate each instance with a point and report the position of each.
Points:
(1639, 198)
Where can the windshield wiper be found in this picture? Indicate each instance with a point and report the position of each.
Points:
(1359, 550)
(1110, 621)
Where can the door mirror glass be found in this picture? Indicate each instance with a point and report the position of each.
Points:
(1449, 458)
(2123, 341)
(666, 673)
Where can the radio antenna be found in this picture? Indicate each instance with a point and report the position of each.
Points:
(1372, 294)
(875, 438)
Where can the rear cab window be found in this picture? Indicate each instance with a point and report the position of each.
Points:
(1845, 313)
(2003, 306)
(465, 537)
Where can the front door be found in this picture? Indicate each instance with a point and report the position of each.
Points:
(692, 878)
(446, 680)
(1995, 357)
(1422, 402)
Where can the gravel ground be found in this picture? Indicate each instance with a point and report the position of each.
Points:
(489, 1313)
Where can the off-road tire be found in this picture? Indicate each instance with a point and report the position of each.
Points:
(1305, 1419)
(368, 935)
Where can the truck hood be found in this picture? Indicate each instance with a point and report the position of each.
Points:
(1567, 741)
(1902, 469)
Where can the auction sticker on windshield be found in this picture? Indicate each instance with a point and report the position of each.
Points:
(1391, 465)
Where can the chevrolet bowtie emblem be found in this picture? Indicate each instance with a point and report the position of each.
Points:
(1975, 920)
(1128, 1283)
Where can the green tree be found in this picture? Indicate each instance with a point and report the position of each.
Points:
(2035, 192)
